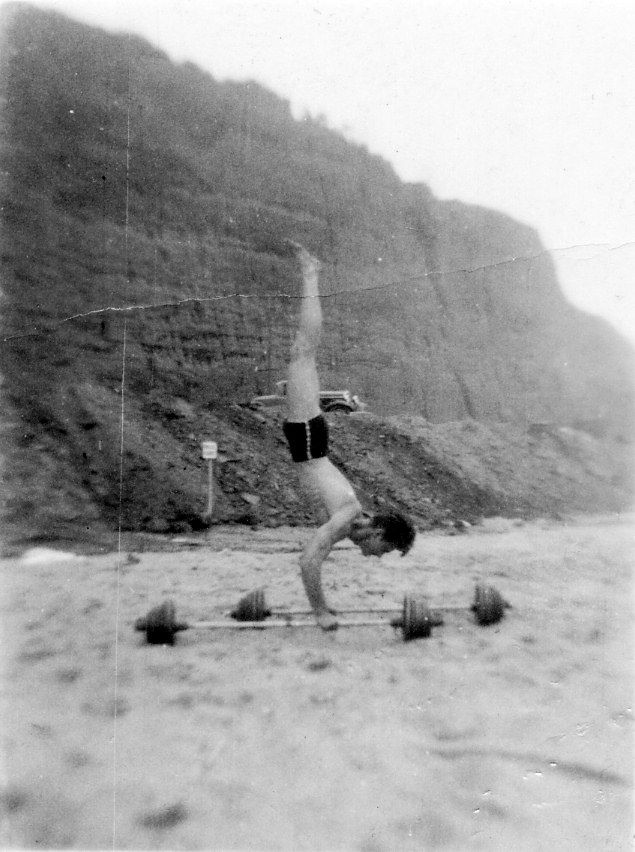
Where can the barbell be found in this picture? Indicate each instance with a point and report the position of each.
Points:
(488, 607)
(415, 618)
(160, 624)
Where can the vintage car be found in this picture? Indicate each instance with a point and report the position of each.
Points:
(331, 401)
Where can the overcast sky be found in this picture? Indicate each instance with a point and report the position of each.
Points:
(521, 105)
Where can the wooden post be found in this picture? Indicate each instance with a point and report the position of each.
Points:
(210, 487)
(209, 451)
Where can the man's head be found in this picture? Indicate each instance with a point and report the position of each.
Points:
(381, 533)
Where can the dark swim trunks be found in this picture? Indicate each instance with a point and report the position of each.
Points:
(308, 440)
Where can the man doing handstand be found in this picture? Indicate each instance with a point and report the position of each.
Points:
(328, 489)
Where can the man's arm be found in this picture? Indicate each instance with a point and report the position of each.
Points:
(337, 528)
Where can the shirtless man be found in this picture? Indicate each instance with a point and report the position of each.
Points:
(306, 431)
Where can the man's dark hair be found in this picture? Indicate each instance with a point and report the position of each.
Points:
(398, 529)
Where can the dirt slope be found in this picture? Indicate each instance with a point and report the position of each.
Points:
(442, 474)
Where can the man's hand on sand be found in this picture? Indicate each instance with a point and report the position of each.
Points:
(326, 620)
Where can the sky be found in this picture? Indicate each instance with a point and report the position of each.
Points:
(524, 106)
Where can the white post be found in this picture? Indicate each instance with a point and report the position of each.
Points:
(209, 450)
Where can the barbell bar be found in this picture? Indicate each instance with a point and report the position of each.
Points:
(488, 607)
(161, 626)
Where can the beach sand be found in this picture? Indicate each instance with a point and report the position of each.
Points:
(517, 736)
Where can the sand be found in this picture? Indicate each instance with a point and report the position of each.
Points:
(516, 737)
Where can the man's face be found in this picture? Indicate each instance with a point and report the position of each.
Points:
(373, 543)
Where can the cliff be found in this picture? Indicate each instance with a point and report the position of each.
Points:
(146, 291)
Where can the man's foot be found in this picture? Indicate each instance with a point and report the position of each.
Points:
(309, 263)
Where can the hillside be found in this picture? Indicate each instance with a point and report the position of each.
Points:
(146, 295)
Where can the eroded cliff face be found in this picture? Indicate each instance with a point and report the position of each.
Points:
(145, 207)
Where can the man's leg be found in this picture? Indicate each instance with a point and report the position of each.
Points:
(303, 404)
(303, 385)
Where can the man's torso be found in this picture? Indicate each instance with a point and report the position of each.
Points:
(327, 488)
